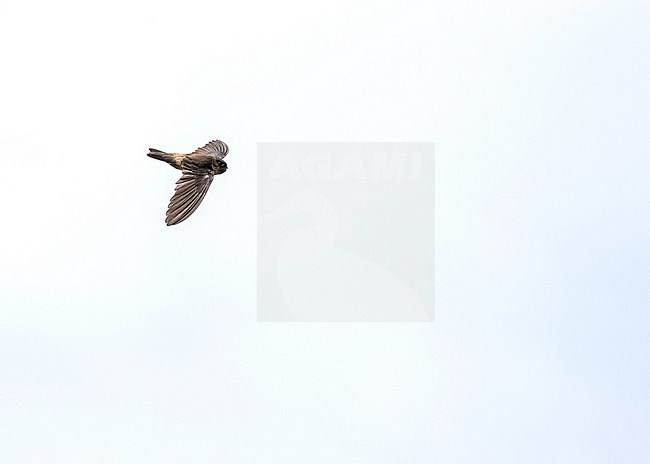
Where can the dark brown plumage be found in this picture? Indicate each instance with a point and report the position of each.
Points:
(199, 168)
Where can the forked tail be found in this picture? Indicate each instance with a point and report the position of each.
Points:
(159, 155)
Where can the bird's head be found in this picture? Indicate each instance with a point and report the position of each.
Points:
(219, 166)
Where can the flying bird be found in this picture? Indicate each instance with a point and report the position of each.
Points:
(199, 168)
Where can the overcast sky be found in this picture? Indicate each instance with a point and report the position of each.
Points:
(126, 341)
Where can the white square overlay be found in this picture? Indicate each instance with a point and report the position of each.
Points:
(346, 231)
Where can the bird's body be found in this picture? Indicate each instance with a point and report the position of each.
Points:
(199, 168)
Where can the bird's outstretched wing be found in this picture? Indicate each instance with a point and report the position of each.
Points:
(190, 191)
(215, 148)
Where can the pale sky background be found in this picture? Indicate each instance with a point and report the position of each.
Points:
(126, 341)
